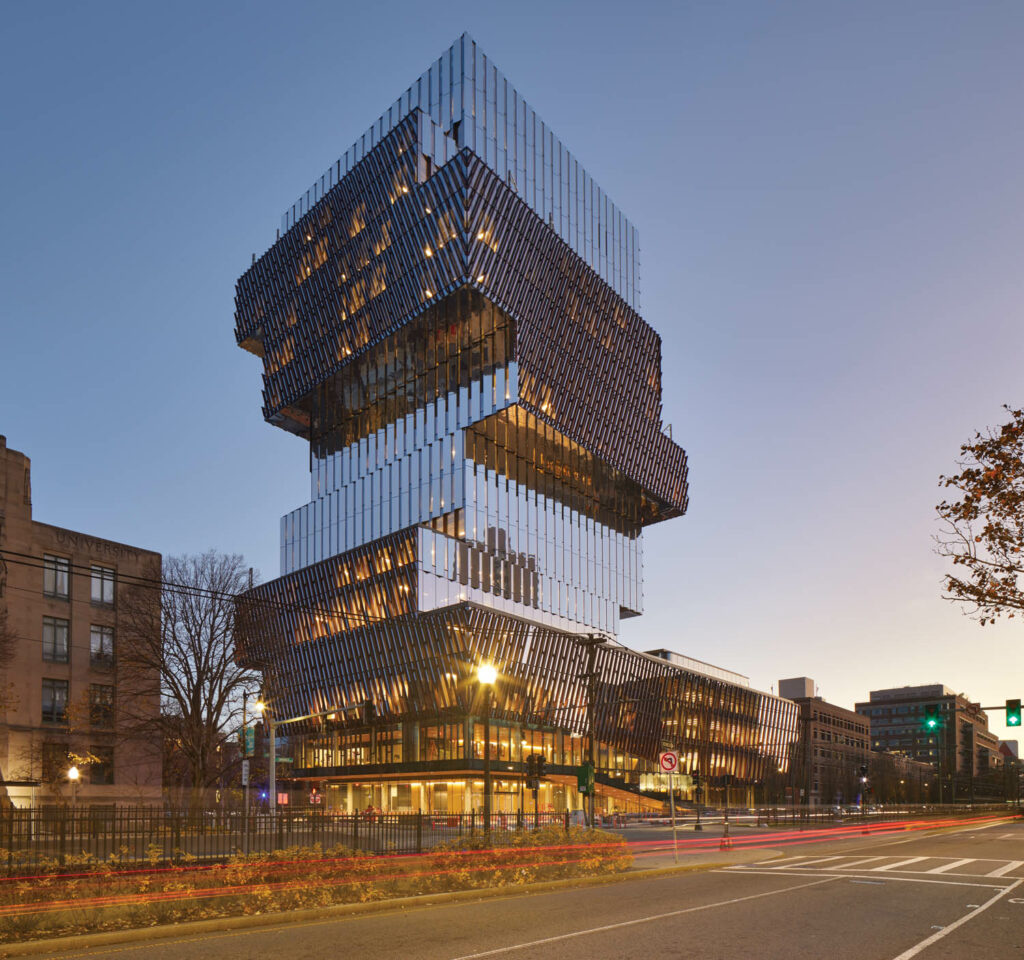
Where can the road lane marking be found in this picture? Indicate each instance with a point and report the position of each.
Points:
(952, 866)
(807, 863)
(898, 863)
(857, 863)
(1002, 871)
(632, 923)
(889, 878)
(928, 941)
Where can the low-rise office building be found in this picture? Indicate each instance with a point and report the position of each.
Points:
(834, 746)
(935, 725)
(63, 698)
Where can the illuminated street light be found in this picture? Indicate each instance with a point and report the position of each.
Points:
(486, 676)
(73, 774)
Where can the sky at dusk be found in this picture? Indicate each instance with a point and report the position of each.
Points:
(831, 212)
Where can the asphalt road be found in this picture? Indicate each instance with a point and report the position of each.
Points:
(944, 895)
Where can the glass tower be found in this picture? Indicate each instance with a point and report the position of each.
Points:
(449, 317)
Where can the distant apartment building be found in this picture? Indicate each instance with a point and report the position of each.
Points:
(959, 747)
(63, 697)
(834, 744)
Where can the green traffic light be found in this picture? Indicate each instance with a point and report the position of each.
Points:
(932, 723)
(1013, 713)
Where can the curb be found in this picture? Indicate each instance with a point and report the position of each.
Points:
(288, 917)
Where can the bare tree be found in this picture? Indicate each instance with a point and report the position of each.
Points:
(183, 660)
(7, 640)
(983, 530)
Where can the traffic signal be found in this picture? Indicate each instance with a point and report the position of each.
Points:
(863, 773)
(531, 766)
(696, 780)
(1013, 713)
(931, 717)
(541, 765)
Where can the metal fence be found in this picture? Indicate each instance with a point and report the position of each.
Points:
(45, 839)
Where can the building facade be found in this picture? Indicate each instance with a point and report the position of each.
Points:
(835, 763)
(959, 747)
(449, 319)
(834, 745)
(63, 698)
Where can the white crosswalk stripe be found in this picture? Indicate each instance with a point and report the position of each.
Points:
(807, 863)
(898, 863)
(857, 863)
(965, 867)
(1002, 871)
(950, 866)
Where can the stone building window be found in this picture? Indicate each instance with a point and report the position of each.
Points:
(101, 705)
(56, 576)
(101, 646)
(101, 770)
(55, 640)
(102, 589)
(55, 701)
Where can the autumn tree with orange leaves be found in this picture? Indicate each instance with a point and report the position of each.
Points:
(983, 527)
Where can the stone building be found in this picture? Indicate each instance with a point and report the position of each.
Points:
(834, 745)
(64, 702)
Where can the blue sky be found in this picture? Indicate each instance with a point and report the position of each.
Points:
(831, 215)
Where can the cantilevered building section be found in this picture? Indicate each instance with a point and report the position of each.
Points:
(449, 318)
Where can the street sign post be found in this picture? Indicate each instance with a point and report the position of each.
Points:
(250, 741)
(668, 760)
(585, 778)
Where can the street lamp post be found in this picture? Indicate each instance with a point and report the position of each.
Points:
(262, 708)
(246, 767)
(73, 775)
(272, 725)
(486, 675)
